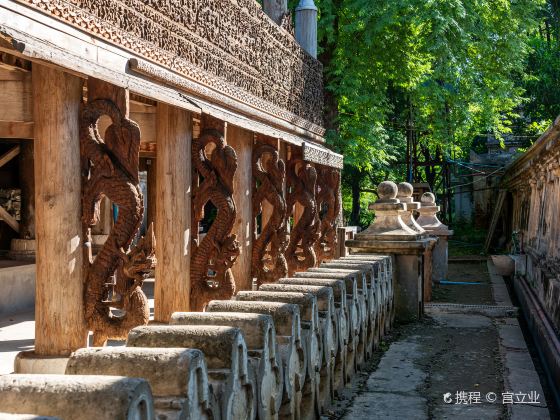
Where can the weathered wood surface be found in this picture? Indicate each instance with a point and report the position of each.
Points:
(59, 312)
(77, 397)
(225, 352)
(27, 185)
(178, 377)
(260, 337)
(9, 155)
(16, 130)
(174, 219)
(16, 95)
(9, 219)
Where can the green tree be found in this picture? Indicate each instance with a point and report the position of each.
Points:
(430, 73)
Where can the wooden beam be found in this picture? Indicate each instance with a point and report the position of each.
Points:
(9, 155)
(16, 130)
(9, 219)
(16, 102)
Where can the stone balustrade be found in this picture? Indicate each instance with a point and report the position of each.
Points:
(283, 351)
(178, 377)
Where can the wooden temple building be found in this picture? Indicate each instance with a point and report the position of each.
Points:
(201, 119)
(160, 161)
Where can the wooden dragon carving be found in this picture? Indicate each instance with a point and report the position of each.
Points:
(302, 178)
(115, 277)
(268, 260)
(328, 204)
(212, 258)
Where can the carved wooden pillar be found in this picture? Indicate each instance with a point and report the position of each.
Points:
(269, 171)
(110, 169)
(328, 206)
(60, 326)
(214, 167)
(301, 180)
(173, 226)
(242, 142)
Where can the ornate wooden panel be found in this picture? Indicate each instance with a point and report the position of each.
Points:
(230, 46)
(269, 171)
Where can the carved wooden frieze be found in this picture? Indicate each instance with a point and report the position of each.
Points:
(269, 171)
(301, 180)
(328, 205)
(115, 277)
(321, 155)
(228, 45)
(214, 255)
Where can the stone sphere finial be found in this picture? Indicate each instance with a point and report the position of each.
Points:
(405, 189)
(387, 190)
(428, 198)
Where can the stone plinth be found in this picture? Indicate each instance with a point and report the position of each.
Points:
(389, 234)
(429, 221)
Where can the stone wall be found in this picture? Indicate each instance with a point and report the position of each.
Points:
(533, 182)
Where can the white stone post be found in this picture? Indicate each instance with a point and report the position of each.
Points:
(389, 235)
(306, 26)
(429, 221)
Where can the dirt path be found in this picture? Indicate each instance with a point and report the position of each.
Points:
(440, 357)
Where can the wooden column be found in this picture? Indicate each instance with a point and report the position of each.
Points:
(173, 213)
(242, 141)
(266, 206)
(294, 152)
(59, 311)
(27, 184)
(152, 190)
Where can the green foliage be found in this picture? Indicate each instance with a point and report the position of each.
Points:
(443, 70)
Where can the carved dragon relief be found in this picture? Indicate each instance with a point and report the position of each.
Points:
(268, 260)
(115, 277)
(302, 178)
(213, 257)
(328, 205)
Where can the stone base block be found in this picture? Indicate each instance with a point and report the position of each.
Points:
(29, 362)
